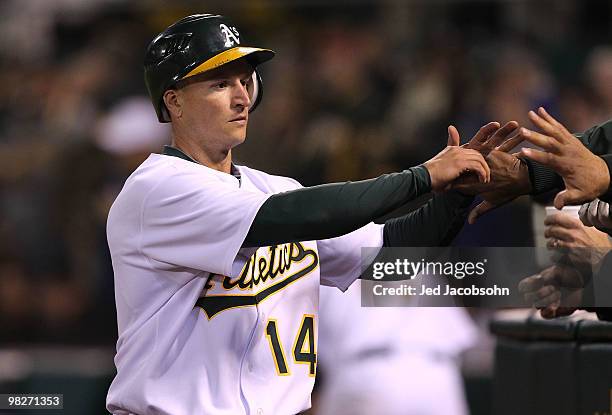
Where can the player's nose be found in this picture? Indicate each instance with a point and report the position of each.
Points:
(241, 96)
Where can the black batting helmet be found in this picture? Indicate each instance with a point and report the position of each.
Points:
(193, 45)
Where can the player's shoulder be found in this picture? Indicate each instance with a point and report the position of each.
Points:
(169, 176)
(267, 181)
(158, 168)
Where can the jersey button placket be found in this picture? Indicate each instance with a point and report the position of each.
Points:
(261, 318)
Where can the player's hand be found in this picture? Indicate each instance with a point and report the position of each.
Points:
(556, 291)
(596, 213)
(586, 175)
(454, 161)
(584, 246)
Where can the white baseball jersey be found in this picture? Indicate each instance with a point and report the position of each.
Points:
(206, 327)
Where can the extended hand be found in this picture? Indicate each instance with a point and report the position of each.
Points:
(454, 161)
(584, 246)
(509, 174)
(556, 291)
(586, 175)
(596, 213)
(491, 137)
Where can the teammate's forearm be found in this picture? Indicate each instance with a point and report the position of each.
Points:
(434, 224)
(331, 210)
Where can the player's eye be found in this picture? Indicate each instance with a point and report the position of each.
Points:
(220, 85)
(246, 81)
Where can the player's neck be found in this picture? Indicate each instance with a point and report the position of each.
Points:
(220, 160)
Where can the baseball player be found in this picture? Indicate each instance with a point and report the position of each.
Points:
(217, 266)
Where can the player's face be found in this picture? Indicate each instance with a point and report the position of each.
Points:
(216, 106)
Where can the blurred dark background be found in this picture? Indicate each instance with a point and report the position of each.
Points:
(358, 88)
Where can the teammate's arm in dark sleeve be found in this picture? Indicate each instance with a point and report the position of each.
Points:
(331, 210)
(598, 139)
(434, 224)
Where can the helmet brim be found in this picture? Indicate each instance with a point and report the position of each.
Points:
(255, 56)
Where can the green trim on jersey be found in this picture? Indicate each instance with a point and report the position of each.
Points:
(175, 152)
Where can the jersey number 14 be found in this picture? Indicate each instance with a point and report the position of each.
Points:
(303, 346)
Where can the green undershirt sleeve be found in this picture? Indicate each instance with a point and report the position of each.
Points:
(331, 210)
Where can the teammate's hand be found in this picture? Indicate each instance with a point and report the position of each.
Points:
(596, 213)
(491, 137)
(509, 180)
(509, 174)
(584, 246)
(556, 291)
(586, 175)
(454, 161)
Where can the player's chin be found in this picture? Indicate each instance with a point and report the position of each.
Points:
(238, 137)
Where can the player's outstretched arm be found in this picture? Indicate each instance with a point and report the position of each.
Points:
(331, 210)
(438, 221)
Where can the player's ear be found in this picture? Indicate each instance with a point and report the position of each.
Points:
(173, 102)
